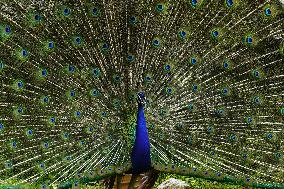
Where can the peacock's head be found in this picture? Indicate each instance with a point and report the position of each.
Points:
(141, 98)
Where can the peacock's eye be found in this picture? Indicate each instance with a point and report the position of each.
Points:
(37, 17)
(282, 111)
(133, 20)
(66, 11)
(45, 99)
(52, 120)
(20, 110)
(14, 143)
(194, 2)
(230, 3)
(2, 65)
(194, 88)
(268, 12)
(182, 34)
(167, 67)
(105, 46)
(160, 7)
(78, 40)
(117, 78)
(95, 72)
(72, 93)
(249, 40)
(148, 78)
(209, 129)
(95, 92)
(169, 90)
(269, 136)
(256, 73)
(78, 113)
(71, 68)
(226, 65)
(24, 53)
(50, 44)
(215, 33)
(156, 42)
(193, 61)
(104, 114)
(249, 119)
(1, 126)
(44, 72)
(8, 29)
(20, 84)
(130, 58)
(256, 100)
(30, 132)
(190, 106)
(45, 145)
(95, 11)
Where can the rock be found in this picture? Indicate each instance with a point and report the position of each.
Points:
(173, 184)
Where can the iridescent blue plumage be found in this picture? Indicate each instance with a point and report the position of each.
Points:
(140, 156)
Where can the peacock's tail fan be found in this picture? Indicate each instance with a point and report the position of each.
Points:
(212, 73)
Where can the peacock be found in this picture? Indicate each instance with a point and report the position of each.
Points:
(95, 89)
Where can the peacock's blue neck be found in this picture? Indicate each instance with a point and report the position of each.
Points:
(140, 156)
